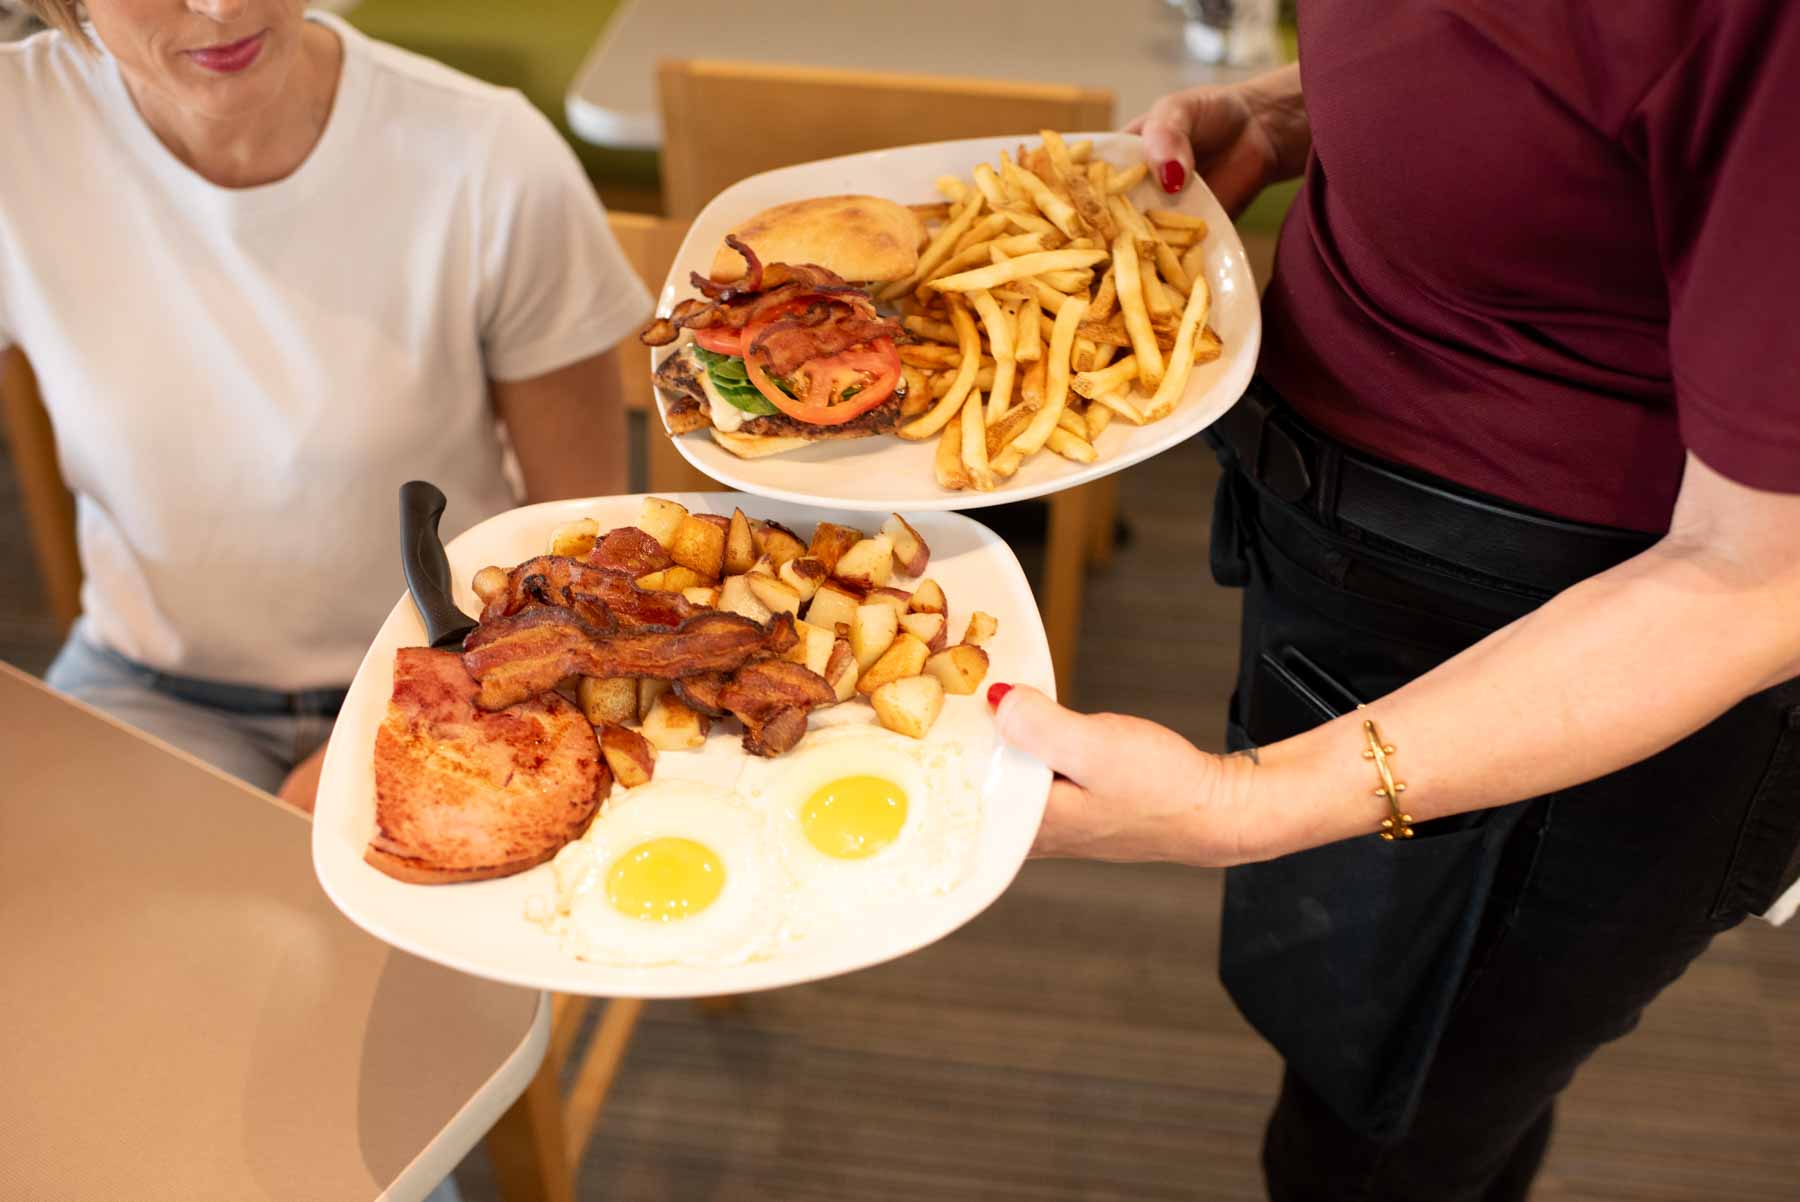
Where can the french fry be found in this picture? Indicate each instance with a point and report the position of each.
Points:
(1176, 220)
(1018, 269)
(1056, 383)
(1031, 385)
(1028, 343)
(1106, 297)
(1120, 404)
(988, 180)
(944, 381)
(1207, 346)
(1098, 418)
(1017, 197)
(1027, 222)
(1126, 180)
(930, 327)
(932, 212)
(1087, 202)
(1137, 318)
(969, 339)
(937, 250)
(1071, 445)
(918, 392)
(1180, 239)
(1081, 151)
(1126, 214)
(1115, 378)
(1072, 422)
(1060, 212)
(1181, 359)
(1110, 332)
(974, 443)
(948, 463)
(952, 189)
(1067, 281)
(1170, 269)
(984, 230)
(1000, 434)
(978, 253)
(1156, 301)
(930, 354)
(999, 329)
(1194, 262)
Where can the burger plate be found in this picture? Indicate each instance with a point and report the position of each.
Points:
(885, 473)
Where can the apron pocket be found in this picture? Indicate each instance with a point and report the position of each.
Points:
(1347, 958)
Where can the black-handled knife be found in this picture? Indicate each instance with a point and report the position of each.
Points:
(427, 567)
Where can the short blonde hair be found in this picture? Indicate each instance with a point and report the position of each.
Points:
(64, 15)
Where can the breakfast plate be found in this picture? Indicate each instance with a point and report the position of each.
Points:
(885, 473)
(481, 927)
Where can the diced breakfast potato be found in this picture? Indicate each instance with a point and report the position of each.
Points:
(868, 564)
(629, 754)
(803, 574)
(832, 605)
(575, 539)
(910, 705)
(981, 628)
(812, 650)
(960, 669)
(762, 565)
(672, 726)
(777, 542)
(679, 579)
(840, 669)
(740, 548)
(871, 633)
(894, 598)
(700, 545)
(660, 519)
(905, 656)
(707, 598)
(910, 552)
(930, 629)
(778, 597)
(608, 699)
(653, 580)
(490, 582)
(735, 597)
(928, 598)
(830, 541)
(649, 689)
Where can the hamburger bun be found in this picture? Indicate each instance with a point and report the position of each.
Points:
(864, 239)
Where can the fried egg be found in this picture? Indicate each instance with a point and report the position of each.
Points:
(861, 817)
(673, 872)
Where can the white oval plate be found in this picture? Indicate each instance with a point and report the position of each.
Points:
(888, 474)
(481, 928)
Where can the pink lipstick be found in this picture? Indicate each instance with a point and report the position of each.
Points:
(232, 57)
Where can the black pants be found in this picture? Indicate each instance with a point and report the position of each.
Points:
(1595, 898)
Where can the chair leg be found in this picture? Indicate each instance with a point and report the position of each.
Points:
(594, 1077)
(526, 1145)
(1103, 515)
(1065, 566)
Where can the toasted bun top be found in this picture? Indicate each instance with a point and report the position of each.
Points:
(863, 238)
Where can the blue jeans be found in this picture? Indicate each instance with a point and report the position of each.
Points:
(257, 735)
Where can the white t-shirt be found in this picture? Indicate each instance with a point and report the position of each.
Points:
(241, 379)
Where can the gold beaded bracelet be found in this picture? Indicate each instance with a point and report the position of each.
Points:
(1396, 825)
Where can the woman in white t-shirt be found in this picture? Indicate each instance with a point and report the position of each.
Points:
(267, 270)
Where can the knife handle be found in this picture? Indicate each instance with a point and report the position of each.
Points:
(427, 567)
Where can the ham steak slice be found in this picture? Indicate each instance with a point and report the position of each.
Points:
(465, 794)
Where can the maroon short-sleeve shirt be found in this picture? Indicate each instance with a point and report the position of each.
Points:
(1545, 248)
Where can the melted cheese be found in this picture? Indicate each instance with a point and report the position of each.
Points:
(725, 415)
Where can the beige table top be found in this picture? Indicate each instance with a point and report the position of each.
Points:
(1135, 48)
(185, 1015)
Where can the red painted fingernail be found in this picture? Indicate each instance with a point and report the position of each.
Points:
(996, 694)
(1172, 177)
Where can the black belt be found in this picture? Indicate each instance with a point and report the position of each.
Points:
(1351, 493)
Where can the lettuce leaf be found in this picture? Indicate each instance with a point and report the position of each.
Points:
(733, 383)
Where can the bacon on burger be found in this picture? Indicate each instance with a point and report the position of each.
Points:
(787, 346)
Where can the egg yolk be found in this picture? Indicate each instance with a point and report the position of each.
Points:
(665, 880)
(854, 817)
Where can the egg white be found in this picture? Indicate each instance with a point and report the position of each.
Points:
(930, 854)
(738, 926)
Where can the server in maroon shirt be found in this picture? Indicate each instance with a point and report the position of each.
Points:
(1515, 501)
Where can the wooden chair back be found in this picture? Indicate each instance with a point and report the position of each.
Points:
(48, 505)
(723, 121)
(650, 244)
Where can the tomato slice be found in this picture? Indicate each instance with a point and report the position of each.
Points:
(721, 340)
(872, 370)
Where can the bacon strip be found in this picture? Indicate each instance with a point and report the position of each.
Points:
(526, 654)
(607, 599)
(772, 698)
(731, 306)
(631, 551)
(787, 344)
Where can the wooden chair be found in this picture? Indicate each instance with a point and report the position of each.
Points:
(723, 121)
(48, 505)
